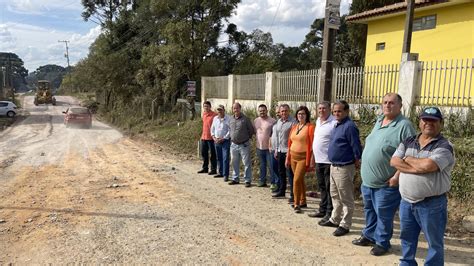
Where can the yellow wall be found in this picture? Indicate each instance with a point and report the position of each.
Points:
(453, 37)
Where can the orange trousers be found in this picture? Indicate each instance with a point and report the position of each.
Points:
(298, 165)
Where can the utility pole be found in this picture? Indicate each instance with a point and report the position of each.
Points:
(327, 62)
(408, 26)
(67, 52)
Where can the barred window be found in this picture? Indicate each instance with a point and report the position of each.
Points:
(424, 23)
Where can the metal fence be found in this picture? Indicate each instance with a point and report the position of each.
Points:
(447, 83)
(250, 87)
(216, 87)
(365, 84)
(298, 85)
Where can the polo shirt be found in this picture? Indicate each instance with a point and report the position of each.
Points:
(380, 145)
(416, 187)
(344, 145)
(207, 118)
(263, 130)
(241, 129)
(322, 136)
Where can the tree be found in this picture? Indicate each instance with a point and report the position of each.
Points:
(15, 72)
(53, 73)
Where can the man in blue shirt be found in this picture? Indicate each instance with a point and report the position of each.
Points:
(344, 154)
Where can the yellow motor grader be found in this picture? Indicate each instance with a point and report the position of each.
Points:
(44, 93)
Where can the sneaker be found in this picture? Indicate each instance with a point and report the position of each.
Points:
(232, 182)
(327, 223)
(317, 214)
(273, 187)
(247, 184)
(212, 172)
(340, 231)
(297, 209)
(378, 250)
(363, 241)
(218, 175)
(202, 171)
(261, 184)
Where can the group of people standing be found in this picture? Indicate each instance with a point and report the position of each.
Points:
(399, 168)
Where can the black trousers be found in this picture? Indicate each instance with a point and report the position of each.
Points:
(206, 147)
(323, 176)
(284, 172)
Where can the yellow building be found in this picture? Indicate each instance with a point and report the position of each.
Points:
(443, 38)
(441, 30)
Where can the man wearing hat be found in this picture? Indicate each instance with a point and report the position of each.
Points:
(425, 163)
(220, 131)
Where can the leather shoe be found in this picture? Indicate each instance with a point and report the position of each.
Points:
(340, 231)
(317, 214)
(327, 223)
(212, 172)
(297, 209)
(363, 241)
(304, 205)
(202, 171)
(232, 182)
(217, 176)
(247, 184)
(378, 251)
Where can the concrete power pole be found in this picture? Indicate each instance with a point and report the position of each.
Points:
(67, 52)
(329, 39)
(408, 26)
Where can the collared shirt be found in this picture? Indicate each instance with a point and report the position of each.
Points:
(274, 138)
(207, 118)
(263, 131)
(241, 129)
(344, 145)
(416, 187)
(282, 132)
(379, 148)
(322, 135)
(221, 127)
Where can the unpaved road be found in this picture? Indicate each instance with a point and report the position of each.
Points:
(94, 196)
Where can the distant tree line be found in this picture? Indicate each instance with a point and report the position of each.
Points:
(148, 49)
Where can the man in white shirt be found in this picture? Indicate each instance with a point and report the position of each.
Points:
(324, 127)
(220, 132)
(263, 129)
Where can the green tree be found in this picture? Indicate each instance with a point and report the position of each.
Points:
(15, 72)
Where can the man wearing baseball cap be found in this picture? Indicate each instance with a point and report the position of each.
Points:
(425, 163)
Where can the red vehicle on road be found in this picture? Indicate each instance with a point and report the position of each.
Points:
(79, 116)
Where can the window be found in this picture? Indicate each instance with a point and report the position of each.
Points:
(424, 23)
(3, 104)
(380, 46)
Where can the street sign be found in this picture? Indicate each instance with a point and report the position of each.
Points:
(334, 19)
(191, 88)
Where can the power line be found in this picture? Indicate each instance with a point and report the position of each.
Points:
(274, 16)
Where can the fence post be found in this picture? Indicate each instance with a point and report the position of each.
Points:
(409, 82)
(270, 88)
(203, 92)
(230, 91)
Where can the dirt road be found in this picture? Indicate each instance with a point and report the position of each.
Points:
(95, 196)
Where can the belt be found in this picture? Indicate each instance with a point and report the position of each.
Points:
(341, 165)
(435, 197)
(239, 143)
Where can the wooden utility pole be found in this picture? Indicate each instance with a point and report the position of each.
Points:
(327, 62)
(408, 26)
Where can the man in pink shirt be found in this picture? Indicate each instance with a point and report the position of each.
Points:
(207, 142)
(263, 128)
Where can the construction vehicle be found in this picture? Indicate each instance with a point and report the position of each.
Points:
(44, 93)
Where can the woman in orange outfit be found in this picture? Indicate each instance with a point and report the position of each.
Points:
(300, 149)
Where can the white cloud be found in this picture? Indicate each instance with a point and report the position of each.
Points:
(35, 7)
(288, 20)
(39, 46)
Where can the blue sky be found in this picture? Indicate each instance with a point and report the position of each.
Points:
(32, 28)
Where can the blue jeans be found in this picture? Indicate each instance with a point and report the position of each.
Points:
(223, 157)
(429, 216)
(380, 206)
(275, 179)
(241, 152)
(264, 156)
